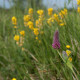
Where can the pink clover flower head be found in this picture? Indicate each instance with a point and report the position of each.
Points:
(56, 43)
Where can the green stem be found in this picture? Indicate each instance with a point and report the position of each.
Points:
(75, 75)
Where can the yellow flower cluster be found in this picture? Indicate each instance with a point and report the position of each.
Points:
(78, 9)
(30, 11)
(59, 21)
(51, 19)
(70, 59)
(40, 12)
(56, 17)
(68, 52)
(16, 38)
(39, 21)
(22, 33)
(14, 21)
(30, 24)
(37, 25)
(15, 27)
(28, 17)
(20, 39)
(78, 2)
(50, 11)
(13, 79)
(36, 31)
(62, 24)
(63, 13)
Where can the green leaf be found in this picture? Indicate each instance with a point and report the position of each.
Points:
(69, 64)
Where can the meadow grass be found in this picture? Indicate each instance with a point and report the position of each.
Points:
(39, 61)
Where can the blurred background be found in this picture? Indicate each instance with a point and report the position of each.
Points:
(22, 4)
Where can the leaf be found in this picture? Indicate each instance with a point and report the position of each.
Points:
(61, 56)
(69, 64)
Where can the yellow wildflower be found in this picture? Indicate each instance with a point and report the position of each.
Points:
(15, 27)
(78, 2)
(36, 38)
(40, 20)
(68, 52)
(30, 24)
(67, 46)
(16, 37)
(37, 22)
(26, 18)
(22, 33)
(36, 32)
(56, 17)
(70, 59)
(49, 21)
(40, 12)
(14, 20)
(50, 11)
(61, 24)
(61, 15)
(14, 79)
(78, 9)
(30, 11)
(65, 10)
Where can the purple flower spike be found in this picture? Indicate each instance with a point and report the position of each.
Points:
(56, 44)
